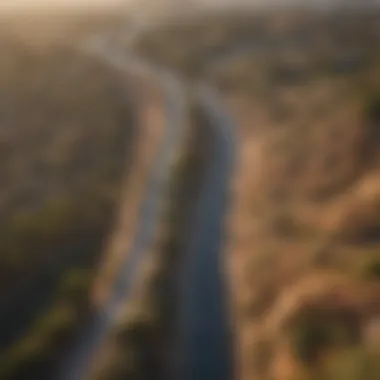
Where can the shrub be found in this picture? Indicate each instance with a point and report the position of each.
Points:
(348, 364)
(314, 331)
(371, 268)
(136, 328)
(372, 108)
(285, 223)
(75, 286)
(30, 355)
(353, 364)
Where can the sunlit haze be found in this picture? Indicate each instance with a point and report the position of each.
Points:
(189, 189)
(142, 4)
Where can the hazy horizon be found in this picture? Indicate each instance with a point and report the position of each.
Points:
(45, 4)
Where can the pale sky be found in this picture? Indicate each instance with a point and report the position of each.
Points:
(30, 4)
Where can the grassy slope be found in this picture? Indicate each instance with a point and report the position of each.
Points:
(67, 132)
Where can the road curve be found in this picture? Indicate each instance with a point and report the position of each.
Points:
(78, 362)
(205, 342)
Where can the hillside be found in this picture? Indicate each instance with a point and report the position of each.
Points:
(303, 230)
(67, 139)
(304, 226)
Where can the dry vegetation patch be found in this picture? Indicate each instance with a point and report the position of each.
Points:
(304, 226)
(67, 138)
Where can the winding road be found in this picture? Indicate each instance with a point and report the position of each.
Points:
(204, 344)
(79, 361)
(205, 341)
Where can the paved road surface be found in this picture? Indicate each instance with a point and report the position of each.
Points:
(79, 360)
(205, 349)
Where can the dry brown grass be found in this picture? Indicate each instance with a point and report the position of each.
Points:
(304, 225)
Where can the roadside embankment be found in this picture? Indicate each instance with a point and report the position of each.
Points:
(142, 343)
(151, 120)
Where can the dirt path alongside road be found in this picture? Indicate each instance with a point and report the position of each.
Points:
(151, 120)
